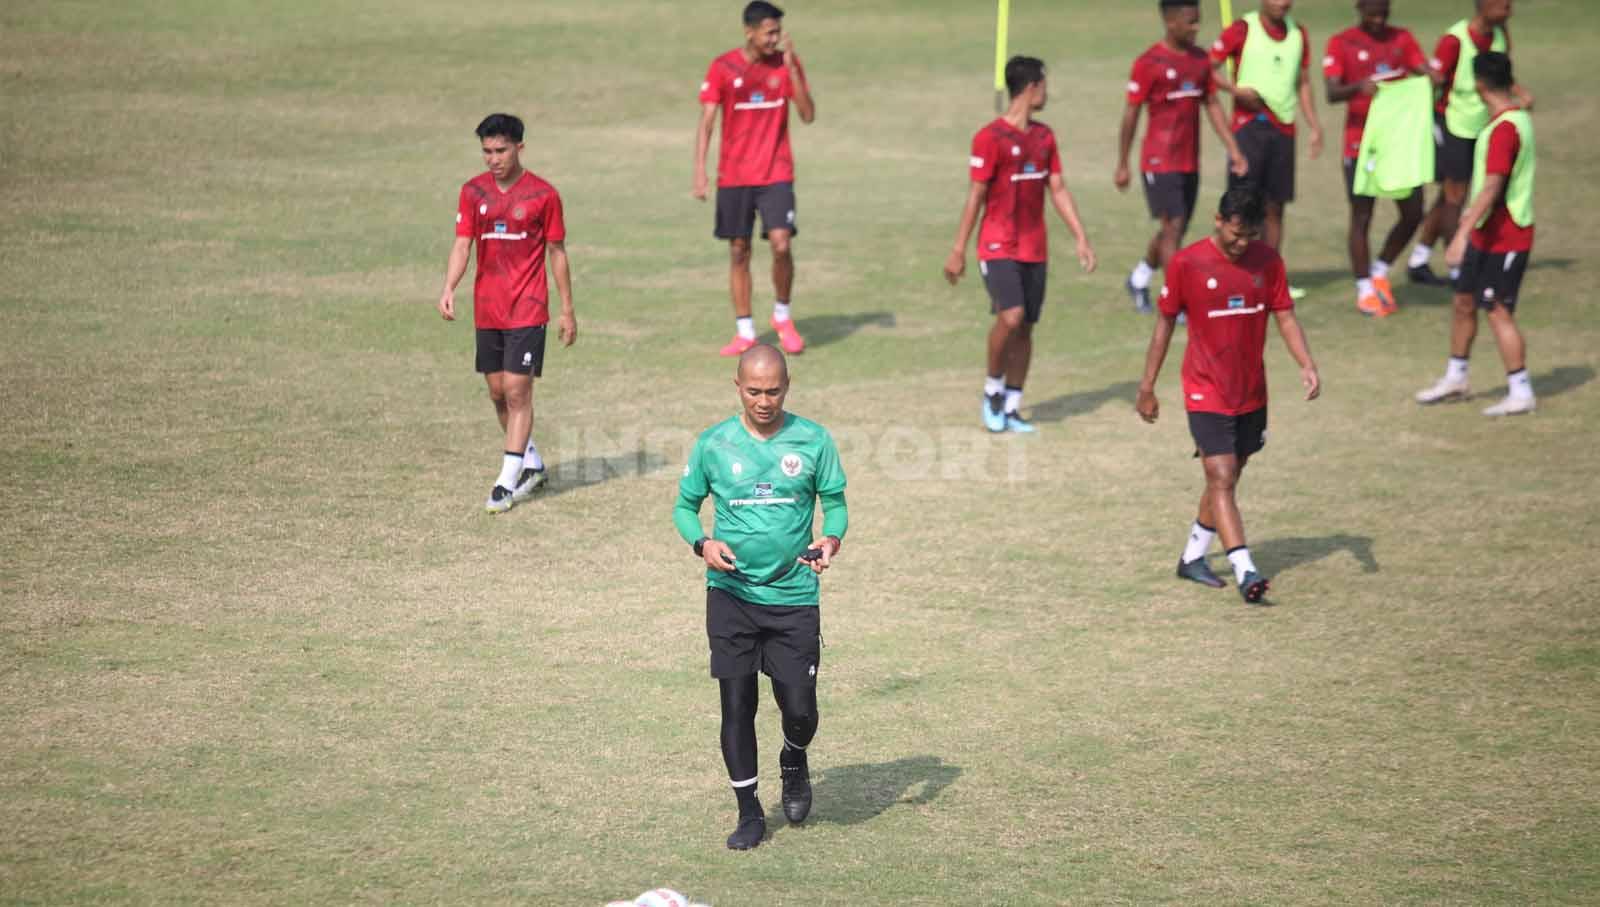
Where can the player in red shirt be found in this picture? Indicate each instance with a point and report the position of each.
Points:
(1226, 284)
(1268, 143)
(753, 86)
(1357, 60)
(1013, 159)
(1174, 78)
(514, 219)
(1491, 247)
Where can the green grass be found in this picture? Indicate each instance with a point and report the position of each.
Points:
(259, 645)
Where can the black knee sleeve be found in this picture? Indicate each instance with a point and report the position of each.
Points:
(798, 703)
(740, 697)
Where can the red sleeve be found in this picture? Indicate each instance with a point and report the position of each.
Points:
(1278, 286)
(1230, 43)
(1171, 300)
(1055, 155)
(982, 162)
(1305, 49)
(1333, 59)
(466, 214)
(711, 87)
(1140, 82)
(1445, 55)
(555, 226)
(1413, 51)
(1504, 144)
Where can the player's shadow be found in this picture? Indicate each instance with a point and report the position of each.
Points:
(1561, 379)
(1281, 555)
(1318, 279)
(821, 330)
(1058, 409)
(852, 794)
(571, 475)
(1558, 263)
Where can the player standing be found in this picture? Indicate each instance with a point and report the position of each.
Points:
(1173, 77)
(1459, 119)
(752, 86)
(514, 217)
(1271, 54)
(1013, 158)
(1357, 60)
(764, 470)
(1491, 246)
(1226, 284)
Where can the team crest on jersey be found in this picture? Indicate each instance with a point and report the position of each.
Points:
(772, 82)
(791, 465)
(519, 212)
(763, 489)
(1235, 302)
(1256, 281)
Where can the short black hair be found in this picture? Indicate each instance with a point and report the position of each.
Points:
(759, 11)
(1168, 6)
(1022, 72)
(501, 124)
(1493, 69)
(1244, 203)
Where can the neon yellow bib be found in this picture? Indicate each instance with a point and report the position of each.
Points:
(1465, 114)
(1272, 67)
(1519, 185)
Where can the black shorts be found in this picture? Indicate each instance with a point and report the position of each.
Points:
(1350, 183)
(1271, 157)
(737, 207)
(783, 642)
(1491, 277)
(519, 350)
(1015, 283)
(1452, 153)
(1216, 434)
(1171, 194)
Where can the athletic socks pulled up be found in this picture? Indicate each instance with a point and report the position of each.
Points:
(1518, 386)
(1200, 537)
(993, 384)
(1142, 272)
(1456, 368)
(510, 469)
(531, 458)
(1420, 255)
(1364, 288)
(1013, 399)
(1240, 559)
(1378, 269)
(780, 311)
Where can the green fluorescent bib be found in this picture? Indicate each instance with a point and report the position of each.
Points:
(1272, 67)
(1465, 114)
(1519, 186)
(1396, 153)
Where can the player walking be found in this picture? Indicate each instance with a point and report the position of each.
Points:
(1358, 59)
(764, 469)
(1492, 243)
(1173, 78)
(1226, 284)
(1272, 55)
(1013, 158)
(752, 86)
(514, 218)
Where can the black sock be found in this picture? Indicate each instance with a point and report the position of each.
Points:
(749, 805)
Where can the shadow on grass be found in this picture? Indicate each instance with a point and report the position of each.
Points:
(1561, 379)
(571, 475)
(1557, 262)
(852, 794)
(1281, 555)
(1318, 279)
(1066, 406)
(821, 330)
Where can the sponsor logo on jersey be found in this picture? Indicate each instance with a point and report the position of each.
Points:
(499, 226)
(527, 358)
(737, 468)
(763, 489)
(738, 83)
(1172, 73)
(975, 161)
(1211, 283)
(1235, 302)
(483, 209)
(1030, 167)
(757, 97)
(1016, 150)
(791, 465)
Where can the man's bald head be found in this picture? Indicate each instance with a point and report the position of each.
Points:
(762, 359)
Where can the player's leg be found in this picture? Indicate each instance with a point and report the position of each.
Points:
(1409, 217)
(791, 654)
(1440, 221)
(1463, 330)
(524, 362)
(1003, 279)
(494, 350)
(776, 204)
(736, 219)
(1367, 300)
(1225, 443)
(1019, 349)
(735, 651)
(1506, 269)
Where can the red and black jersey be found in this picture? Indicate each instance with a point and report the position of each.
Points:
(1353, 56)
(1016, 167)
(754, 96)
(511, 228)
(1174, 85)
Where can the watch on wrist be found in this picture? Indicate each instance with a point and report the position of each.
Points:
(700, 546)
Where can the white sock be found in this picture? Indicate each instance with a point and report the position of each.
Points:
(1013, 399)
(1199, 542)
(510, 468)
(746, 327)
(780, 311)
(1455, 273)
(1364, 287)
(1379, 268)
(993, 385)
(1518, 385)
(1456, 369)
(1140, 278)
(532, 459)
(1242, 564)
(1419, 255)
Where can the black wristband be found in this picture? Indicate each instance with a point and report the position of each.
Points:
(700, 546)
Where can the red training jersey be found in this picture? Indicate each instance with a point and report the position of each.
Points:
(1448, 52)
(1227, 303)
(511, 229)
(1230, 46)
(1354, 55)
(1500, 233)
(755, 118)
(1015, 166)
(1173, 84)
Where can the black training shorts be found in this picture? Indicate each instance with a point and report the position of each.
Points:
(783, 642)
(737, 207)
(1171, 194)
(1271, 157)
(1015, 283)
(518, 350)
(1491, 277)
(1216, 434)
(1452, 153)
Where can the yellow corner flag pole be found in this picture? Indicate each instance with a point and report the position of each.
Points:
(1227, 20)
(1001, 25)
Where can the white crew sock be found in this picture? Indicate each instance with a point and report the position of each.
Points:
(1456, 369)
(1242, 564)
(780, 311)
(1199, 542)
(1364, 288)
(993, 385)
(746, 327)
(1140, 278)
(1013, 399)
(510, 468)
(1420, 254)
(1518, 385)
(1455, 274)
(1379, 268)
(531, 459)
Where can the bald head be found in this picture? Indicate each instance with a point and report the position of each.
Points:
(763, 359)
(763, 382)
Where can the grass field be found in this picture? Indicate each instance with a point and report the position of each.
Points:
(259, 644)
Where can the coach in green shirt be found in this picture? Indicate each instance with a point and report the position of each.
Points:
(764, 469)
